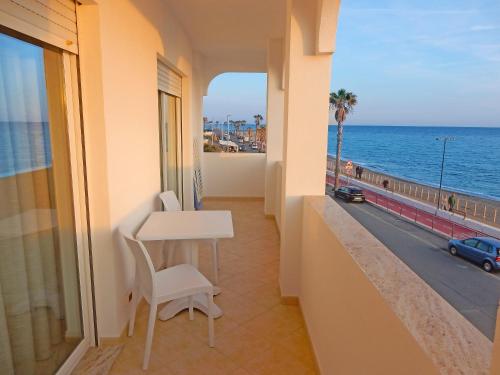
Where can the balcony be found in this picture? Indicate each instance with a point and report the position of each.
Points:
(257, 333)
(321, 295)
(356, 299)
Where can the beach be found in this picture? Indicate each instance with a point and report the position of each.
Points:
(415, 154)
(473, 207)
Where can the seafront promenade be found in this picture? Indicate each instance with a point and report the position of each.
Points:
(475, 208)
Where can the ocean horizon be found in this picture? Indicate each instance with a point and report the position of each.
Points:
(426, 126)
(472, 162)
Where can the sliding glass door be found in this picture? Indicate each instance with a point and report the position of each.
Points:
(41, 319)
(170, 143)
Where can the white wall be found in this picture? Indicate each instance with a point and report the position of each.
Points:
(275, 113)
(119, 43)
(346, 317)
(233, 174)
(495, 355)
(307, 86)
(376, 307)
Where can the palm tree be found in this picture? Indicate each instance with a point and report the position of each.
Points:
(211, 130)
(217, 125)
(343, 103)
(243, 123)
(237, 125)
(257, 118)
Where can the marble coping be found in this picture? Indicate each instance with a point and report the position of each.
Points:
(454, 345)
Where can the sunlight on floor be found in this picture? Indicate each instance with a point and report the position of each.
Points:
(256, 334)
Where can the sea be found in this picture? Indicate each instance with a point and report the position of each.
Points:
(24, 147)
(472, 159)
(244, 127)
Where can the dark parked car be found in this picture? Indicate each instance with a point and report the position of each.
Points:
(481, 250)
(350, 194)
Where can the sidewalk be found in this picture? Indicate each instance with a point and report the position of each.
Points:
(479, 209)
(452, 225)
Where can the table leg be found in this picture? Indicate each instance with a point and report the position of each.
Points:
(215, 262)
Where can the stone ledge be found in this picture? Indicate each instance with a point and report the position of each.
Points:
(453, 343)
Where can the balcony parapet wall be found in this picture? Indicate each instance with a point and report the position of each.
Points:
(367, 312)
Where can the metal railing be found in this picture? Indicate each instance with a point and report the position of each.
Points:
(478, 210)
(433, 222)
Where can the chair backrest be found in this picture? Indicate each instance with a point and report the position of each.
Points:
(170, 201)
(144, 269)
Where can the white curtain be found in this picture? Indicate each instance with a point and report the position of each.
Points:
(31, 313)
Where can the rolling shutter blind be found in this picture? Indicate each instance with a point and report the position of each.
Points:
(51, 21)
(169, 81)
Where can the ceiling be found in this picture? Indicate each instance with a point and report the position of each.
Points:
(235, 30)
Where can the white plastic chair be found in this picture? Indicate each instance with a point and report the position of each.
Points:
(171, 203)
(180, 281)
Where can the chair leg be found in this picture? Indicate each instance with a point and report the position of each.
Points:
(149, 338)
(191, 307)
(211, 339)
(133, 309)
(215, 262)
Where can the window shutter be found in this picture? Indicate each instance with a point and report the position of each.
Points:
(51, 21)
(169, 81)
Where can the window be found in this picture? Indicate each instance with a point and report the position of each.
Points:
(483, 246)
(471, 242)
(169, 102)
(170, 144)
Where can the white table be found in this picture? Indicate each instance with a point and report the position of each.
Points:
(189, 226)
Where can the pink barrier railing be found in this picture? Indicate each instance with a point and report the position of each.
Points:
(436, 223)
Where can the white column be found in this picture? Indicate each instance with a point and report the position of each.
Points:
(307, 84)
(275, 112)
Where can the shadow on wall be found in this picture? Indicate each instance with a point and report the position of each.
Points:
(123, 257)
(164, 21)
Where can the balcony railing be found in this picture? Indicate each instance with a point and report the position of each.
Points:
(436, 223)
(476, 209)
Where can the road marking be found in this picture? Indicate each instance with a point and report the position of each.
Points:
(400, 229)
(493, 275)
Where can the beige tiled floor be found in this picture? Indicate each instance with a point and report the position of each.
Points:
(256, 334)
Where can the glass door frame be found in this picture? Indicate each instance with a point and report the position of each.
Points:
(74, 124)
(179, 143)
(82, 229)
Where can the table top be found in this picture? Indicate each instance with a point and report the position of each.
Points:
(186, 225)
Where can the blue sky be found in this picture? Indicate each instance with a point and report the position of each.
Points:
(410, 63)
(23, 94)
(242, 95)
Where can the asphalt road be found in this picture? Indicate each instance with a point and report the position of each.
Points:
(472, 291)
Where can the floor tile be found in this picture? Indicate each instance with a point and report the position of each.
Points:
(257, 335)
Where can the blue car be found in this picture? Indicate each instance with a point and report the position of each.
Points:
(481, 250)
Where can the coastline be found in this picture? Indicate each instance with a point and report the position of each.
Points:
(414, 153)
(472, 195)
(482, 209)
